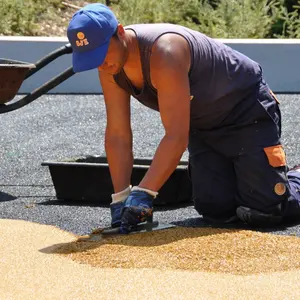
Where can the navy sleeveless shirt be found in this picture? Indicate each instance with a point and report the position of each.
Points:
(219, 76)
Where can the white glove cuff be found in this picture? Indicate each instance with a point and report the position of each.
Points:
(121, 196)
(152, 193)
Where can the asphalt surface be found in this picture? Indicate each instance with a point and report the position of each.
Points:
(59, 127)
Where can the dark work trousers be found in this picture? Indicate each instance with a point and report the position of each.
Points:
(241, 162)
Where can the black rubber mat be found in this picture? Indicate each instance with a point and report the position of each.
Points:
(58, 127)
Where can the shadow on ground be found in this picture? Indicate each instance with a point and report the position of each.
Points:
(200, 222)
(86, 203)
(6, 197)
(63, 202)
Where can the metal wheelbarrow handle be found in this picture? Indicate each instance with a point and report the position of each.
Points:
(66, 49)
(21, 73)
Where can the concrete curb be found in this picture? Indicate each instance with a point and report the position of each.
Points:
(278, 57)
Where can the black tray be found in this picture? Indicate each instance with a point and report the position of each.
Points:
(88, 179)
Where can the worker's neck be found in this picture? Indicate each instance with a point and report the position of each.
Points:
(133, 51)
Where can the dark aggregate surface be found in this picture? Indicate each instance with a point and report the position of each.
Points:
(58, 127)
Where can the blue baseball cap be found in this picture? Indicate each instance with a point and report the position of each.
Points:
(89, 33)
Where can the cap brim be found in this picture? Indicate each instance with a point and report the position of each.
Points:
(84, 61)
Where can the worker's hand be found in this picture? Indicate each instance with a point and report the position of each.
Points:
(138, 207)
(117, 205)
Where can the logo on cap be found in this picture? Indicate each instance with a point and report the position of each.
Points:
(82, 41)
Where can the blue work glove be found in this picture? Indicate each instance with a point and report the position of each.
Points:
(117, 205)
(116, 213)
(138, 208)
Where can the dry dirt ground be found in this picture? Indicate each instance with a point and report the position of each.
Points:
(57, 26)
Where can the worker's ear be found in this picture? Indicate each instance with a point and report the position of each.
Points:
(121, 31)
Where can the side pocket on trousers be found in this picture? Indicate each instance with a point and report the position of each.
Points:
(276, 156)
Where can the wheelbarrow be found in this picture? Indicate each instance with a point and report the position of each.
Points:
(14, 72)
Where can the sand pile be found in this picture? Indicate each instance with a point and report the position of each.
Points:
(31, 268)
(237, 252)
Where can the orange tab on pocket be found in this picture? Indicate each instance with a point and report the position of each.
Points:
(276, 156)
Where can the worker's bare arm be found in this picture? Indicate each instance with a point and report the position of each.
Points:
(170, 64)
(118, 134)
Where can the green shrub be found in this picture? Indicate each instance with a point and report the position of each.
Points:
(223, 19)
(21, 17)
(290, 22)
(245, 18)
(217, 18)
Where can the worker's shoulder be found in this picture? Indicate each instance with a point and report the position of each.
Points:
(169, 41)
(170, 45)
(156, 31)
(163, 40)
(170, 52)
